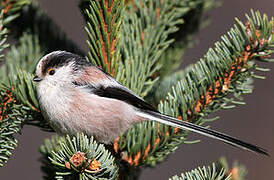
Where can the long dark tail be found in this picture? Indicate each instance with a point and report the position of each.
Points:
(201, 130)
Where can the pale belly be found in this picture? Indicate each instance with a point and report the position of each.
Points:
(79, 111)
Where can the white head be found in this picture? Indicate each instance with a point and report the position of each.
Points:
(59, 68)
(55, 74)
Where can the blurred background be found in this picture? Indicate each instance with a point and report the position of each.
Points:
(252, 122)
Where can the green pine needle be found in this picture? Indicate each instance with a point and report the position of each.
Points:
(103, 28)
(202, 89)
(11, 9)
(24, 55)
(78, 156)
(3, 45)
(145, 30)
(184, 37)
(237, 171)
(128, 42)
(204, 173)
(11, 118)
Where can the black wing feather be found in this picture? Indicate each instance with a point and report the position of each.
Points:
(124, 94)
(119, 92)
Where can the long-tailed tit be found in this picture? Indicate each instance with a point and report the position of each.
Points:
(76, 96)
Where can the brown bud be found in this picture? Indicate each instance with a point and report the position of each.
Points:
(78, 159)
(94, 165)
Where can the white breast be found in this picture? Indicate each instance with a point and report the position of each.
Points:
(76, 110)
(55, 105)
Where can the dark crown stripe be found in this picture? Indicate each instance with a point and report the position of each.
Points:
(63, 58)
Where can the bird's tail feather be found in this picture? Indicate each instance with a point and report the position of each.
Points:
(201, 130)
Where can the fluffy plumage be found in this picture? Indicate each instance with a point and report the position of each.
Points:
(79, 97)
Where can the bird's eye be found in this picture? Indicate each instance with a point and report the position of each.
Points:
(51, 71)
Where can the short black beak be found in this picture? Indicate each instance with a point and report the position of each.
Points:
(37, 79)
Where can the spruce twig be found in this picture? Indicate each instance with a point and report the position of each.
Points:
(133, 46)
(11, 9)
(203, 89)
(103, 28)
(144, 38)
(237, 171)
(24, 54)
(204, 173)
(78, 157)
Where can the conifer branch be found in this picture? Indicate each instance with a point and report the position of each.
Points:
(23, 90)
(237, 171)
(24, 54)
(3, 37)
(218, 171)
(77, 157)
(193, 15)
(203, 89)
(146, 27)
(11, 9)
(9, 12)
(18, 106)
(9, 125)
(18, 101)
(196, 92)
(103, 28)
(204, 173)
(7, 141)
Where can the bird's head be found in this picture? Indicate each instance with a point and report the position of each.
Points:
(58, 68)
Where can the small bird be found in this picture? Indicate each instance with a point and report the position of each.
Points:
(76, 96)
